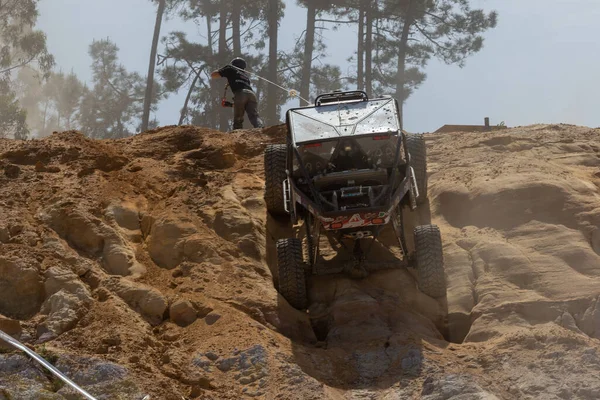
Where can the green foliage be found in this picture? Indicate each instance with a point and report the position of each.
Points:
(404, 36)
(450, 29)
(446, 29)
(12, 116)
(112, 107)
(187, 65)
(20, 46)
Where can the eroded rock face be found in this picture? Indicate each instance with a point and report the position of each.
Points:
(119, 258)
(198, 248)
(590, 322)
(519, 216)
(80, 229)
(125, 215)
(64, 310)
(21, 287)
(68, 299)
(167, 241)
(149, 302)
(596, 240)
(87, 233)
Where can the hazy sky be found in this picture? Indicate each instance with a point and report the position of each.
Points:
(540, 65)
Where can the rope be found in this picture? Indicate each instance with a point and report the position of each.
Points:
(16, 344)
(292, 92)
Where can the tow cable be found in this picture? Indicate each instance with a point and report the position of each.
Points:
(293, 93)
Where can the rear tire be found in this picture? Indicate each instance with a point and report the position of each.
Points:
(430, 261)
(418, 161)
(275, 165)
(292, 275)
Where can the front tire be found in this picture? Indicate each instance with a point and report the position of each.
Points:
(292, 275)
(430, 261)
(275, 163)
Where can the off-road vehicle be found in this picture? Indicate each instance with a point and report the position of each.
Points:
(346, 171)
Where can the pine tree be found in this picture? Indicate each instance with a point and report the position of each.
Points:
(112, 108)
(449, 30)
(20, 46)
(233, 28)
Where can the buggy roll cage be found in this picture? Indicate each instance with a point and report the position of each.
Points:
(339, 96)
(293, 194)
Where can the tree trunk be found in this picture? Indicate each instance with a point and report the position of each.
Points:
(120, 130)
(369, 49)
(271, 97)
(211, 110)
(309, 44)
(223, 117)
(360, 73)
(150, 80)
(187, 99)
(235, 24)
(45, 117)
(400, 80)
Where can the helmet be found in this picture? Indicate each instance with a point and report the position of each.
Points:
(239, 63)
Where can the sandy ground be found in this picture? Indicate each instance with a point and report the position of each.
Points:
(145, 266)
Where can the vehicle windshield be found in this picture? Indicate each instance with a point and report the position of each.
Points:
(344, 119)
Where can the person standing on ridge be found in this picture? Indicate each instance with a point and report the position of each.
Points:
(244, 98)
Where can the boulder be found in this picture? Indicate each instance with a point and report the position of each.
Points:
(12, 328)
(67, 301)
(167, 240)
(125, 215)
(21, 287)
(64, 310)
(233, 223)
(182, 313)
(119, 258)
(197, 248)
(147, 301)
(82, 230)
(61, 278)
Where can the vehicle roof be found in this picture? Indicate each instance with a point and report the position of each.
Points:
(348, 118)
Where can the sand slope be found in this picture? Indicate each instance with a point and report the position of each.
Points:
(146, 266)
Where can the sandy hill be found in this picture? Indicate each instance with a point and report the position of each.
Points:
(145, 266)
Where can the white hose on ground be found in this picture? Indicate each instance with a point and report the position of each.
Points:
(18, 345)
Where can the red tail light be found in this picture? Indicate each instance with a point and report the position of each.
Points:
(381, 137)
(337, 225)
(377, 221)
(313, 145)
